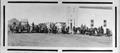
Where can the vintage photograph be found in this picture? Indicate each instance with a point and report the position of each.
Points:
(60, 25)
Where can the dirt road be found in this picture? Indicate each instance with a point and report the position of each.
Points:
(58, 40)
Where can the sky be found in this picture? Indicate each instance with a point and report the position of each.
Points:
(37, 13)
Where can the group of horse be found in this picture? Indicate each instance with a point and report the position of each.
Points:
(40, 28)
(59, 28)
(50, 28)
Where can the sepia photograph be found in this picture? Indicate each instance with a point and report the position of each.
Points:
(60, 25)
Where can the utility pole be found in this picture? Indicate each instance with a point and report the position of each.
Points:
(72, 14)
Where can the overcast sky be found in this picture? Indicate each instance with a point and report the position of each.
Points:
(52, 13)
(37, 13)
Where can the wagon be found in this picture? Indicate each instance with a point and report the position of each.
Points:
(13, 27)
(42, 28)
(23, 27)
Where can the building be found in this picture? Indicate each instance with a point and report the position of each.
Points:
(92, 17)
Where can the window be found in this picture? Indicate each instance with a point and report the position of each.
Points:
(105, 23)
(92, 23)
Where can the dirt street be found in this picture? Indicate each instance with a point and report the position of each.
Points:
(58, 40)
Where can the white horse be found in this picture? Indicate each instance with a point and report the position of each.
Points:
(59, 27)
(48, 27)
